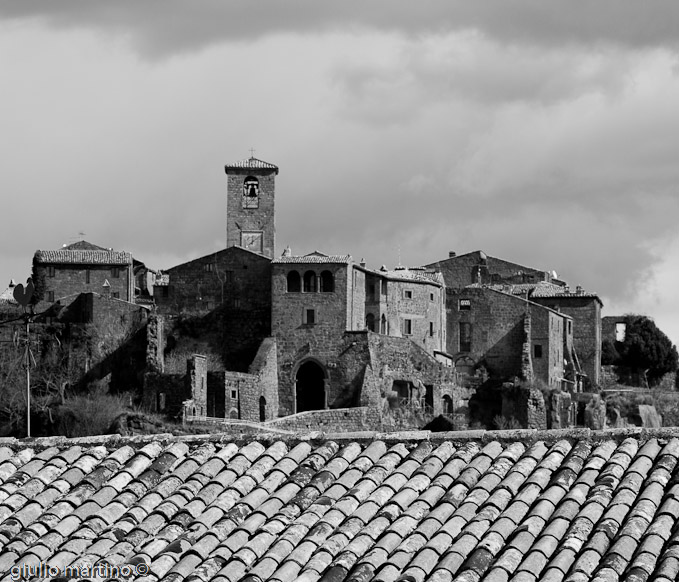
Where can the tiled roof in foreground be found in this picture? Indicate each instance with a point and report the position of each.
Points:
(522, 506)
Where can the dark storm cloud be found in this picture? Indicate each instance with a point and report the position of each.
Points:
(165, 27)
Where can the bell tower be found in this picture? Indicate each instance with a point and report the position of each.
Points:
(250, 197)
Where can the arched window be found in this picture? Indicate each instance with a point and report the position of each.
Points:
(262, 409)
(370, 321)
(327, 282)
(294, 282)
(310, 283)
(233, 413)
(251, 192)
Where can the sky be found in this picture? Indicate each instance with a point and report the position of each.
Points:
(544, 133)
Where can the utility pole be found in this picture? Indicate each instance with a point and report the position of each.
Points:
(23, 296)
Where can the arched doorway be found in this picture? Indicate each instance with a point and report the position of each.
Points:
(310, 387)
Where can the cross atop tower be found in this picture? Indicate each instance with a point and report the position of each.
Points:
(252, 152)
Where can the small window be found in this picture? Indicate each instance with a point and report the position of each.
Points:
(570, 326)
(465, 304)
(537, 350)
(310, 316)
(50, 271)
(50, 296)
(236, 302)
(407, 327)
(234, 394)
(209, 267)
(431, 329)
(294, 282)
(431, 297)
(228, 276)
(115, 295)
(161, 401)
(310, 283)
(115, 272)
(384, 287)
(87, 275)
(408, 294)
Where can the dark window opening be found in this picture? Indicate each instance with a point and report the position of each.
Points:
(310, 316)
(465, 337)
(115, 294)
(310, 283)
(50, 271)
(166, 291)
(327, 282)
(262, 409)
(537, 350)
(228, 276)
(431, 297)
(408, 294)
(209, 267)
(294, 282)
(570, 326)
(50, 296)
(431, 329)
(465, 304)
(447, 405)
(87, 275)
(115, 272)
(407, 326)
(383, 325)
(370, 321)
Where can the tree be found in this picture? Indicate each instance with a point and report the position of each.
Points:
(646, 348)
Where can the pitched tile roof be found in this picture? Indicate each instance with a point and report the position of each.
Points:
(417, 274)
(84, 253)
(541, 289)
(314, 258)
(251, 163)
(525, 506)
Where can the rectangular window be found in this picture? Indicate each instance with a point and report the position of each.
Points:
(310, 316)
(234, 394)
(465, 337)
(384, 287)
(431, 328)
(87, 275)
(537, 350)
(209, 267)
(115, 272)
(620, 331)
(115, 295)
(408, 294)
(570, 326)
(166, 291)
(228, 276)
(50, 271)
(407, 327)
(431, 297)
(465, 304)
(50, 296)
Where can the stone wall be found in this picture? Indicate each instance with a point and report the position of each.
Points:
(497, 329)
(70, 280)
(336, 420)
(547, 334)
(261, 219)
(165, 393)
(196, 376)
(460, 271)
(261, 404)
(586, 329)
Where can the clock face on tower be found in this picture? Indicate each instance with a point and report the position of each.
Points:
(252, 240)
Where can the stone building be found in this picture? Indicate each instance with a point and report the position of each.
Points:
(508, 336)
(540, 286)
(83, 267)
(318, 299)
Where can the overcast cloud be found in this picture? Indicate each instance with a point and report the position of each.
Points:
(546, 133)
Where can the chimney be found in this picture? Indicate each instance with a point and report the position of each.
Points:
(578, 290)
(567, 289)
(362, 263)
(451, 254)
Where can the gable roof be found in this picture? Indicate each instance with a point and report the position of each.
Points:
(251, 163)
(315, 257)
(83, 253)
(543, 289)
(522, 505)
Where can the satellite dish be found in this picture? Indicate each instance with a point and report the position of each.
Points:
(23, 295)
